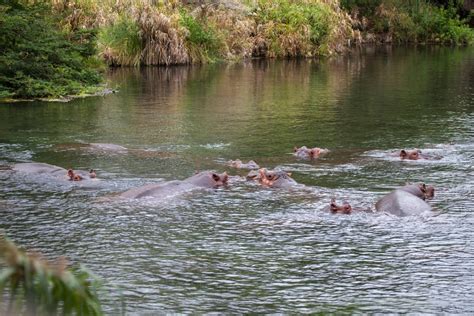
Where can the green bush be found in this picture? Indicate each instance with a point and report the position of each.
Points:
(288, 22)
(416, 20)
(37, 59)
(123, 39)
(203, 41)
(437, 24)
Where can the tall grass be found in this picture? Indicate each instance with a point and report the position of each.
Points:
(301, 28)
(120, 43)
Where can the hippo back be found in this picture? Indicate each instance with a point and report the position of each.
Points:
(160, 190)
(402, 203)
(39, 168)
(413, 189)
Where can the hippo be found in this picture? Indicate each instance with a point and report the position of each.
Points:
(309, 153)
(345, 208)
(407, 200)
(205, 179)
(80, 175)
(240, 165)
(272, 178)
(53, 171)
(414, 154)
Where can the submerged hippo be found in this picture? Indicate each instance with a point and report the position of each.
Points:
(309, 153)
(240, 165)
(345, 208)
(53, 171)
(406, 200)
(205, 179)
(272, 178)
(414, 154)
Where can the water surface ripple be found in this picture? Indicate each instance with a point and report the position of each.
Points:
(248, 249)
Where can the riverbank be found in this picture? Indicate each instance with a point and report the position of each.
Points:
(134, 33)
(82, 35)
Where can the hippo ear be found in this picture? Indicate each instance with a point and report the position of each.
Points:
(225, 177)
(423, 187)
(295, 149)
(215, 177)
(288, 174)
(403, 153)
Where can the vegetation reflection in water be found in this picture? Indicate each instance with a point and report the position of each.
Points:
(246, 248)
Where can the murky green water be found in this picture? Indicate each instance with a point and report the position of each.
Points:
(246, 248)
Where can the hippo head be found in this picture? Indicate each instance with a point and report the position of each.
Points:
(345, 208)
(410, 154)
(73, 176)
(275, 178)
(208, 179)
(420, 190)
(427, 190)
(314, 152)
(297, 149)
(252, 165)
(235, 163)
(305, 152)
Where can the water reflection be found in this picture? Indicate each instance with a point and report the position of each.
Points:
(247, 248)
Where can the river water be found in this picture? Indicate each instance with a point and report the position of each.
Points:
(246, 248)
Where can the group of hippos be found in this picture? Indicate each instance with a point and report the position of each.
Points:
(403, 201)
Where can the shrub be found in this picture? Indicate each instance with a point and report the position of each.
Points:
(437, 24)
(120, 42)
(38, 60)
(203, 41)
(300, 29)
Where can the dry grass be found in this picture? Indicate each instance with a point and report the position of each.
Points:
(162, 43)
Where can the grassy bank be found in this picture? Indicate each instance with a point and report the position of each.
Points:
(141, 32)
(53, 48)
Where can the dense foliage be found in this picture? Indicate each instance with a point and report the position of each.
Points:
(38, 59)
(418, 21)
(33, 286)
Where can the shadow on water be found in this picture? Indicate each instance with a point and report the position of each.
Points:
(246, 248)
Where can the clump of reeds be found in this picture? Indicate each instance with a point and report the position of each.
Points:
(161, 41)
(236, 29)
(36, 286)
